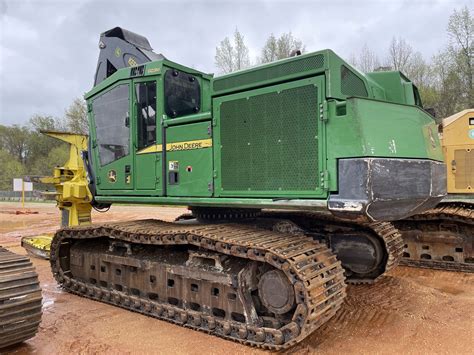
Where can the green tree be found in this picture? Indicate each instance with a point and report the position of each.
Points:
(461, 52)
(447, 85)
(279, 48)
(24, 150)
(45, 164)
(44, 123)
(11, 168)
(76, 117)
(39, 144)
(15, 140)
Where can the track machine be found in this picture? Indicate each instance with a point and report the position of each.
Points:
(20, 299)
(293, 171)
(443, 237)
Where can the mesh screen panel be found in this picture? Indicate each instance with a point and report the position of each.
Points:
(464, 168)
(273, 72)
(269, 142)
(351, 84)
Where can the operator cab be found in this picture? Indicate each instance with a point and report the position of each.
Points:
(135, 113)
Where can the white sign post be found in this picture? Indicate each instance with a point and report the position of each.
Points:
(21, 185)
(17, 184)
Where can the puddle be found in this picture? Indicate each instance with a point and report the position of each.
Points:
(51, 288)
(48, 301)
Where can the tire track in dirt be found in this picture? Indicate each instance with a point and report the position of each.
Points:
(369, 309)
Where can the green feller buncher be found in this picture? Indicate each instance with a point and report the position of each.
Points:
(292, 170)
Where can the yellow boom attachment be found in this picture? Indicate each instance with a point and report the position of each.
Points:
(73, 196)
(72, 192)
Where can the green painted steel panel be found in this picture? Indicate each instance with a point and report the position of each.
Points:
(351, 84)
(147, 171)
(187, 158)
(113, 176)
(281, 70)
(371, 128)
(269, 141)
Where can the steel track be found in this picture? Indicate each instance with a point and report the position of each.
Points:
(423, 241)
(385, 231)
(20, 299)
(313, 271)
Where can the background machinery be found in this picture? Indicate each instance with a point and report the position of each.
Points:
(442, 238)
(284, 166)
(20, 299)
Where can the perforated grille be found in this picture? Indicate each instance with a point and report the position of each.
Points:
(351, 84)
(269, 142)
(464, 178)
(273, 72)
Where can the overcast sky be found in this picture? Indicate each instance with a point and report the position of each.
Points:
(48, 49)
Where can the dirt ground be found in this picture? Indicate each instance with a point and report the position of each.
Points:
(410, 311)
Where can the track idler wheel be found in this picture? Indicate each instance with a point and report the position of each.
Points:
(362, 256)
(276, 292)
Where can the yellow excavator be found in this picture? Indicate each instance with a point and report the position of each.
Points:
(441, 238)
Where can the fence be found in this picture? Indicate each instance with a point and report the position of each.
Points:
(34, 195)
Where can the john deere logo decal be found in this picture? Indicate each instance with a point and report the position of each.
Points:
(118, 52)
(132, 62)
(112, 176)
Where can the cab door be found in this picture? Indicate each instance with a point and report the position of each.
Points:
(111, 139)
(147, 138)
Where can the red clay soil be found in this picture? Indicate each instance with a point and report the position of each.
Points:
(410, 311)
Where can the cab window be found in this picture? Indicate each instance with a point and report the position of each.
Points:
(145, 94)
(111, 114)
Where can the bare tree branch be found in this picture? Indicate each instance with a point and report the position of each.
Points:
(231, 57)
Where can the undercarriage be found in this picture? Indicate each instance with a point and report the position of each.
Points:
(267, 281)
(366, 250)
(240, 282)
(440, 238)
